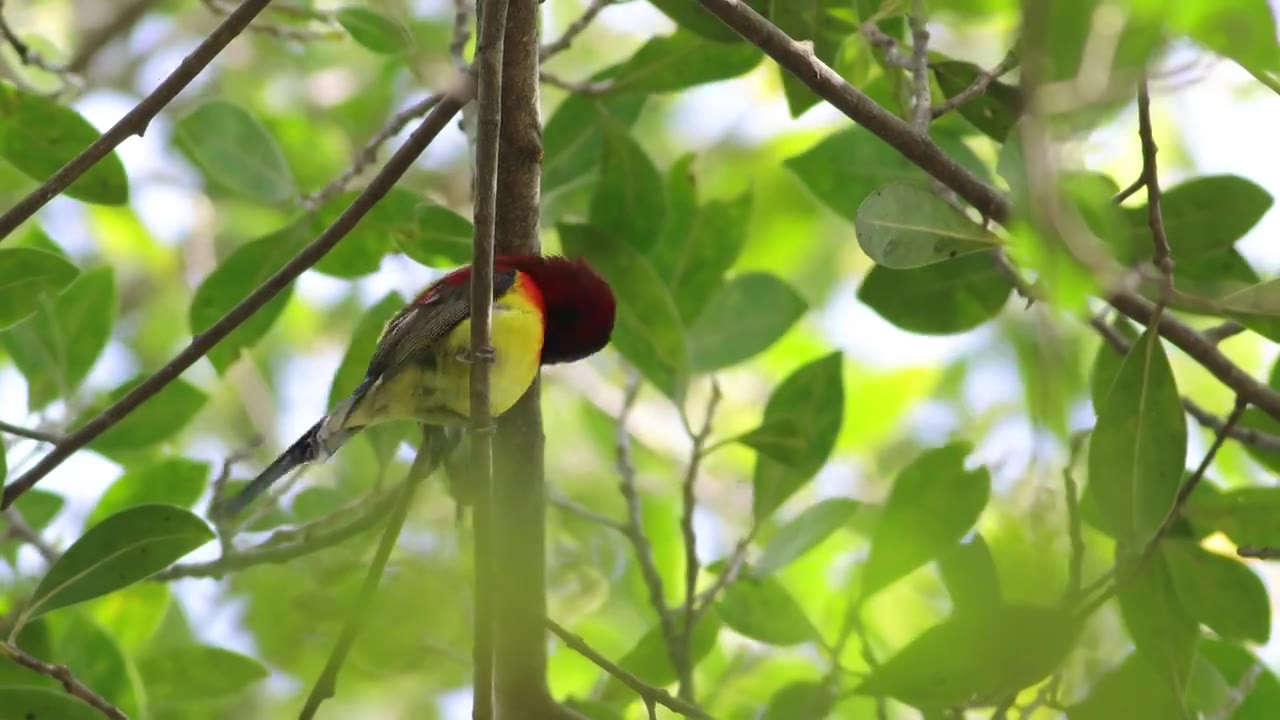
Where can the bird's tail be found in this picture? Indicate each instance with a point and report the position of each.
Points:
(318, 443)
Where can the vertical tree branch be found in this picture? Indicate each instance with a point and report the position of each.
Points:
(1162, 256)
(921, 114)
(489, 56)
(689, 501)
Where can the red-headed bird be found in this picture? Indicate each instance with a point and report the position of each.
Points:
(545, 310)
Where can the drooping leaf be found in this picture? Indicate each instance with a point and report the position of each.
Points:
(647, 330)
(905, 226)
(442, 237)
(171, 481)
(994, 111)
(235, 151)
(1220, 592)
(238, 275)
(763, 610)
(799, 430)
(197, 673)
(38, 136)
(803, 533)
(946, 297)
(748, 314)
(1159, 625)
(628, 200)
(121, 550)
(1138, 450)
(933, 503)
(156, 420)
(373, 30)
(682, 60)
(28, 278)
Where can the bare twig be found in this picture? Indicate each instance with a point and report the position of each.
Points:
(63, 675)
(1071, 492)
(979, 85)
(200, 344)
(582, 87)
(893, 57)
(135, 121)
(727, 577)
(575, 29)
(649, 694)
(1223, 331)
(1128, 192)
(689, 503)
(920, 109)
(423, 465)
(24, 51)
(19, 529)
(585, 513)
(1163, 257)
(29, 433)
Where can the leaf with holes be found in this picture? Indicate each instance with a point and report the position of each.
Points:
(903, 226)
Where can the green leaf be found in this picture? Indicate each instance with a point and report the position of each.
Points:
(441, 237)
(121, 550)
(803, 533)
(1139, 445)
(1158, 623)
(197, 673)
(799, 430)
(372, 30)
(1220, 592)
(694, 264)
(1248, 515)
(1244, 30)
(649, 661)
(39, 136)
(96, 659)
(171, 481)
(994, 111)
(647, 330)
(27, 276)
(952, 296)
(698, 20)
(683, 60)
(1202, 215)
(933, 503)
(22, 702)
(800, 700)
(747, 315)
(812, 21)
(235, 151)
(628, 201)
(1132, 691)
(56, 347)
(763, 610)
(359, 253)
(573, 140)
(1233, 662)
(969, 572)
(904, 226)
(158, 419)
(238, 275)
(1106, 364)
(1005, 650)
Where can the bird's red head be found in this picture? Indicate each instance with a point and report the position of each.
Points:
(578, 303)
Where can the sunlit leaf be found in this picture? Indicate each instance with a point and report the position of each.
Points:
(197, 673)
(946, 297)
(1138, 450)
(762, 609)
(803, 533)
(628, 200)
(969, 572)
(170, 481)
(158, 419)
(933, 503)
(235, 151)
(373, 30)
(28, 278)
(649, 660)
(800, 700)
(1220, 592)
(904, 226)
(1159, 625)
(38, 136)
(683, 60)
(121, 550)
(747, 315)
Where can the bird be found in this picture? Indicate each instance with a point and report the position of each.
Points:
(546, 310)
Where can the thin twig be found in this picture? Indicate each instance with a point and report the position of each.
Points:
(1162, 257)
(30, 433)
(19, 529)
(1071, 493)
(648, 693)
(732, 569)
(1223, 331)
(489, 59)
(575, 29)
(978, 87)
(24, 51)
(135, 121)
(1238, 693)
(893, 57)
(279, 31)
(582, 87)
(689, 503)
(202, 343)
(920, 109)
(586, 513)
(63, 675)
(1128, 192)
(326, 685)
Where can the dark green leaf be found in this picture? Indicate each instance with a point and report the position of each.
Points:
(946, 297)
(904, 226)
(994, 111)
(648, 331)
(798, 432)
(800, 700)
(810, 20)
(649, 661)
(56, 347)
(969, 572)
(28, 278)
(747, 315)
(933, 503)
(1249, 515)
(36, 703)
(372, 30)
(1158, 623)
(38, 136)
(238, 275)
(683, 60)
(197, 673)
(121, 550)
(171, 481)
(1220, 592)
(1203, 215)
(628, 201)
(393, 219)
(158, 419)
(1139, 445)
(697, 20)
(694, 265)
(235, 151)
(763, 610)
(803, 533)
(573, 140)
(441, 237)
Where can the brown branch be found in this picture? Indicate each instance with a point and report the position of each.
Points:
(1126, 193)
(689, 502)
(575, 29)
(135, 121)
(920, 110)
(462, 11)
(648, 693)
(29, 433)
(63, 675)
(1223, 331)
(276, 30)
(978, 87)
(732, 569)
(893, 57)
(1162, 257)
(201, 344)
(20, 530)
